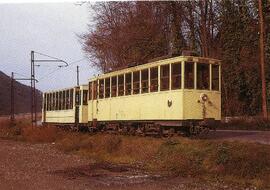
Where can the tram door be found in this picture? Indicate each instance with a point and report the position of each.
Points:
(77, 104)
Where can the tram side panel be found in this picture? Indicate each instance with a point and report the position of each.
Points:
(170, 105)
(197, 109)
(61, 116)
(143, 107)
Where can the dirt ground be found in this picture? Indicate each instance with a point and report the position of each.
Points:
(42, 166)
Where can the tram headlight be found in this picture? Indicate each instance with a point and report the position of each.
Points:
(203, 97)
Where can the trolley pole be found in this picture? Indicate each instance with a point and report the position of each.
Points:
(12, 117)
(264, 100)
(78, 82)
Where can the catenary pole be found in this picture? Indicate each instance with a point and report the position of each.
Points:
(12, 100)
(78, 82)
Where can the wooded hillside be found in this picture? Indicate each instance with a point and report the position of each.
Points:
(131, 33)
(22, 96)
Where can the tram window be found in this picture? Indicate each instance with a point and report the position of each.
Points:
(215, 77)
(202, 76)
(164, 77)
(107, 87)
(114, 87)
(44, 102)
(64, 100)
(50, 102)
(176, 76)
(120, 85)
(56, 101)
(144, 81)
(85, 92)
(71, 99)
(101, 88)
(128, 83)
(136, 82)
(189, 75)
(94, 90)
(154, 79)
(90, 91)
(67, 99)
(60, 100)
(47, 105)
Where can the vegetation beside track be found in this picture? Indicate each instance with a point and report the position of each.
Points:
(244, 164)
(246, 123)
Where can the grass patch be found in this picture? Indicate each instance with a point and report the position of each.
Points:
(233, 162)
(24, 132)
(246, 164)
(246, 123)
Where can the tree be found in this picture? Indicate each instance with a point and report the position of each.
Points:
(132, 33)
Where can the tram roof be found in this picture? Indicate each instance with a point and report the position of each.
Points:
(156, 63)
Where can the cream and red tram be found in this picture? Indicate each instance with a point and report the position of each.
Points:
(170, 95)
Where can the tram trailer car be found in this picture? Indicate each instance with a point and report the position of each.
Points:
(175, 95)
(66, 107)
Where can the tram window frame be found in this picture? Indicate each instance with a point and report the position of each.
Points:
(153, 80)
(176, 75)
(71, 98)
(113, 86)
(136, 82)
(107, 87)
(165, 77)
(90, 88)
(144, 81)
(85, 93)
(120, 85)
(189, 81)
(100, 88)
(215, 80)
(128, 82)
(95, 89)
(203, 76)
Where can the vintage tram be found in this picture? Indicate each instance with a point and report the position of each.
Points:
(174, 95)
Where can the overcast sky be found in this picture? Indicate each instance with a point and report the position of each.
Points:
(49, 28)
